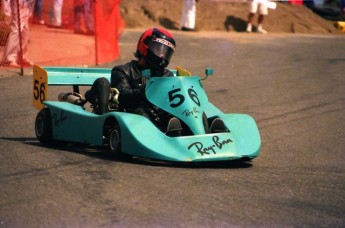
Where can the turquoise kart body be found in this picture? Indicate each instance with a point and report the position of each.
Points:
(184, 98)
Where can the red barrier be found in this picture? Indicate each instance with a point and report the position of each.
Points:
(63, 46)
(296, 2)
(107, 33)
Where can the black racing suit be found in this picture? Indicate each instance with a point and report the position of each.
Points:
(131, 84)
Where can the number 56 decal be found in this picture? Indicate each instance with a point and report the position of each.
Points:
(177, 98)
(40, 86)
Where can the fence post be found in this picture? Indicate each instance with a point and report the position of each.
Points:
(20, 39)
(95, 12)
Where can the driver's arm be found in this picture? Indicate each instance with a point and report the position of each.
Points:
(129, 97)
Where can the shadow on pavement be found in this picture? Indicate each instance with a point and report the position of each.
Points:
(103, 154)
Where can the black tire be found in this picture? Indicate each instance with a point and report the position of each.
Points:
(114, 138)
(112, 133)
(43, 127)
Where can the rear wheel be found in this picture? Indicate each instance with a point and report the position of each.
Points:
(43, 126)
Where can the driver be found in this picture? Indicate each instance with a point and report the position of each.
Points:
(154, 51)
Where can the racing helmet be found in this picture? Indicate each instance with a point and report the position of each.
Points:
(156, 46)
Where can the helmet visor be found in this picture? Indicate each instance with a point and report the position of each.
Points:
(162, 48)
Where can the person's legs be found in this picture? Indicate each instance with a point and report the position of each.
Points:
(88, 16)
(191, 15)
(98, 95)
(261, 19)
(253, 7)
(25, 41)
(12, 53)
(55, 13)
(78, 12)
(11, 49)
(170, 126)
(263, 11)
(188, 15)
(260, 22)
(12, 46)
(38, 12)
(250, 22)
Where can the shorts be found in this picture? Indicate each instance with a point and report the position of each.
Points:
(254, 6)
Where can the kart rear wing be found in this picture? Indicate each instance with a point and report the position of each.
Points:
(63, 76)
(70, 76)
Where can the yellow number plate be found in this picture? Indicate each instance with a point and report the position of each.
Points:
(40, 86)
(182, 72)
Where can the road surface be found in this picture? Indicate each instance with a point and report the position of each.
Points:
(294, 87)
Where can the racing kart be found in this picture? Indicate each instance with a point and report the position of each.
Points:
(130, 134)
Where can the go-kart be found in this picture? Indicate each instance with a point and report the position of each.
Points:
(130, 134)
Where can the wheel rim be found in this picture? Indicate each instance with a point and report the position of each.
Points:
(39, 126)
(114, 140)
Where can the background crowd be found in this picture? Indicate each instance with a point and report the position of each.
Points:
(14, 36)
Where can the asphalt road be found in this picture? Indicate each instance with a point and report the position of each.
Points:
(294, 87)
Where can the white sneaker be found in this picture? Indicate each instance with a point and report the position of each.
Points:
(249, 28)
(261, 30)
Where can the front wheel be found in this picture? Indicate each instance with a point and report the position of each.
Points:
(112, 132)
(43, 127)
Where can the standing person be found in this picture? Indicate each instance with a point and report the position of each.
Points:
(16, 50)
(188, 15)
(55, 13)
(38, 12)
(83, 9)
(254, 7)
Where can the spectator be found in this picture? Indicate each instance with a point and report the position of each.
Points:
(16, 50)
(38, 11)
(254, 7)
(83, 9)
(188, 15)
(55, 13)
